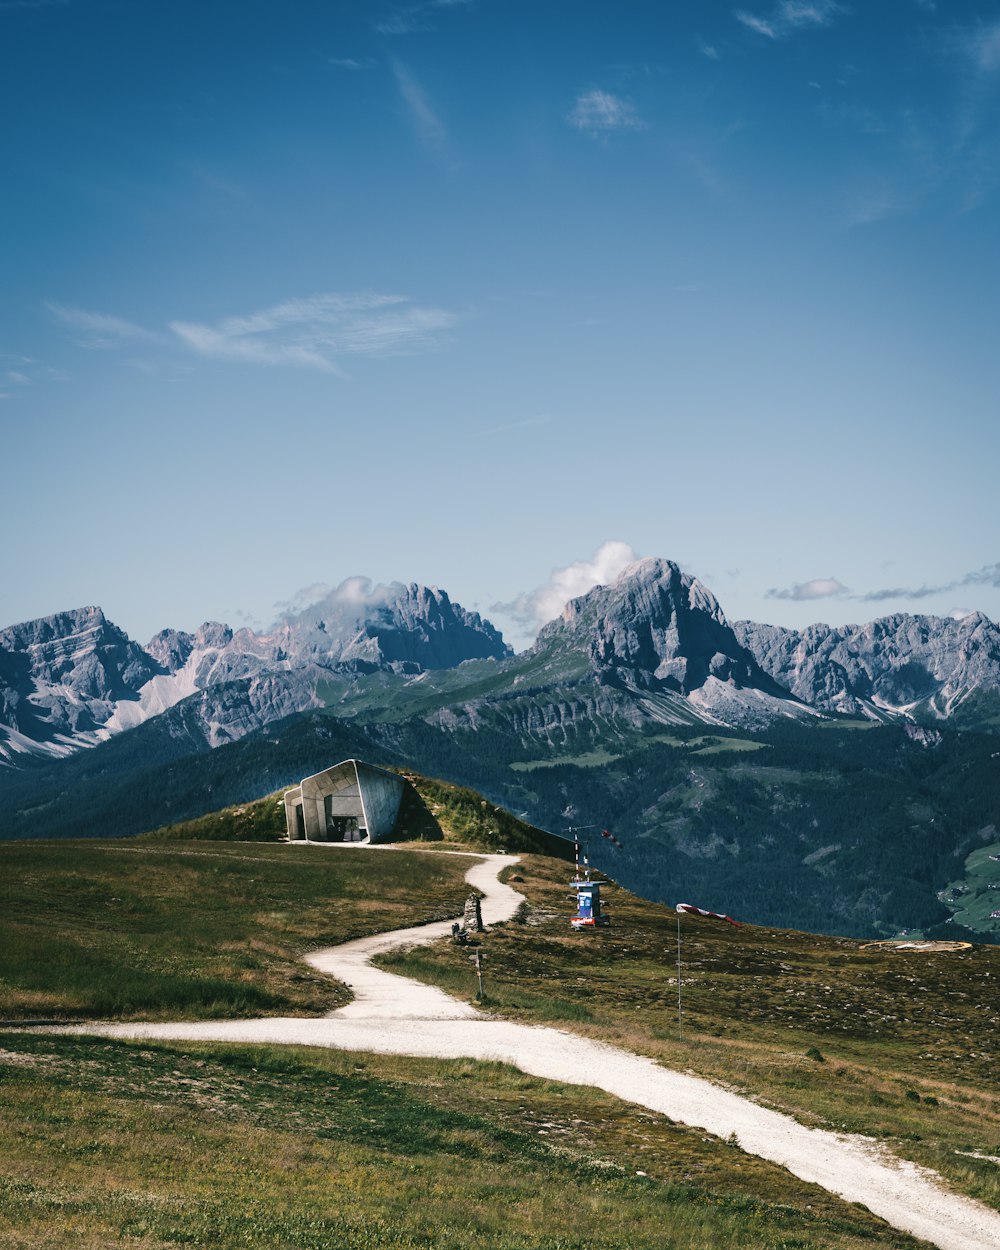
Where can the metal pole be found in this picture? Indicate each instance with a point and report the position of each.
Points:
(679, 1030)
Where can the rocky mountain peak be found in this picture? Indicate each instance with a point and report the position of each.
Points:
(61, 675)
(657, 627)
(883, 668)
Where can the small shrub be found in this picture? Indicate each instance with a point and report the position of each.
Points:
(815, 1053)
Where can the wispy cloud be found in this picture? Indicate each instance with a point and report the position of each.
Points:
(830, 587)
(349, 62)
(99, 330)
(24, 371)
(988, 575)
(311, 333)
(599, 113)
(818, 588)
(981, 45)
(352, 594)
(510, 426)
(790, 16)
(428, 126)
(949, 150)
(404, 19)
(533, 608)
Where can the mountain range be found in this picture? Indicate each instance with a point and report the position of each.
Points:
(831, 778)
(657, 634)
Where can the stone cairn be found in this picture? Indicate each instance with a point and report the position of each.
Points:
(472, 921)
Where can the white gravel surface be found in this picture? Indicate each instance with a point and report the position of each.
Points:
(394, 1015)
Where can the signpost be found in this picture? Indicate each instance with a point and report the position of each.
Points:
(477, 959)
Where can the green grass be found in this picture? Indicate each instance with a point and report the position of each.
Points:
(703, 744)
(909, 1040)
(431, 811)
(589, 759)
(435, 811)
(262, 820)
(236, 1148)
(717, 745)
(199, 930)
(108, 1143)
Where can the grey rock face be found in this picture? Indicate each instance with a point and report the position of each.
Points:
(389, 626)
(918, 663)
(64, 674)
(72, 679)
(658, 628)
(171, 648)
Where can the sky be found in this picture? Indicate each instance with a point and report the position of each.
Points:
(497, 296)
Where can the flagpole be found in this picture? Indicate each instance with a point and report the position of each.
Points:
(679, 1029)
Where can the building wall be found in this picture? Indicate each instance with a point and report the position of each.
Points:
(382, 793)
(293, 806)
(349, 789)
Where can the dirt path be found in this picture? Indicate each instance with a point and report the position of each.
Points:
(382, 1018)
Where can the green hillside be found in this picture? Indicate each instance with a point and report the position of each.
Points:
(431, 811)
(975, 895)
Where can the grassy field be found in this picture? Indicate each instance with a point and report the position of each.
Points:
(106, 1143)
(197, 929)
(113, 1144)
(898, 1045)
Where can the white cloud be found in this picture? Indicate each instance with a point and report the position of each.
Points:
(312, 333)
(818, 588)
(428, 126)
(600, 112)
(534, 608)
(309, 333)
(320, 600)
(758, 24)
(790, 16)
(988, 575)
(405, 19)
(99, 329)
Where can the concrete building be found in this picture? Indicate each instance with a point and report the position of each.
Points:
(351, 802)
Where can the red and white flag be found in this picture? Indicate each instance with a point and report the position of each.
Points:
(611, 838)
(688, 910)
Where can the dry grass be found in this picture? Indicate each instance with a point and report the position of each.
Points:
(897, 1045)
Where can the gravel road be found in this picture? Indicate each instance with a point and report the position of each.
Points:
(394, 1015)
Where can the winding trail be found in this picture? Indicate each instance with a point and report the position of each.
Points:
(395, 1015)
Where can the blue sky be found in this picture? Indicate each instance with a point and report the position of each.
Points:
(491, 295)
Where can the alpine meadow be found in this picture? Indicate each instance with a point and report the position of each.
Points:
(499, 645)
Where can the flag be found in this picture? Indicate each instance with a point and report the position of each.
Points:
(611, 838)
(688, 910)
